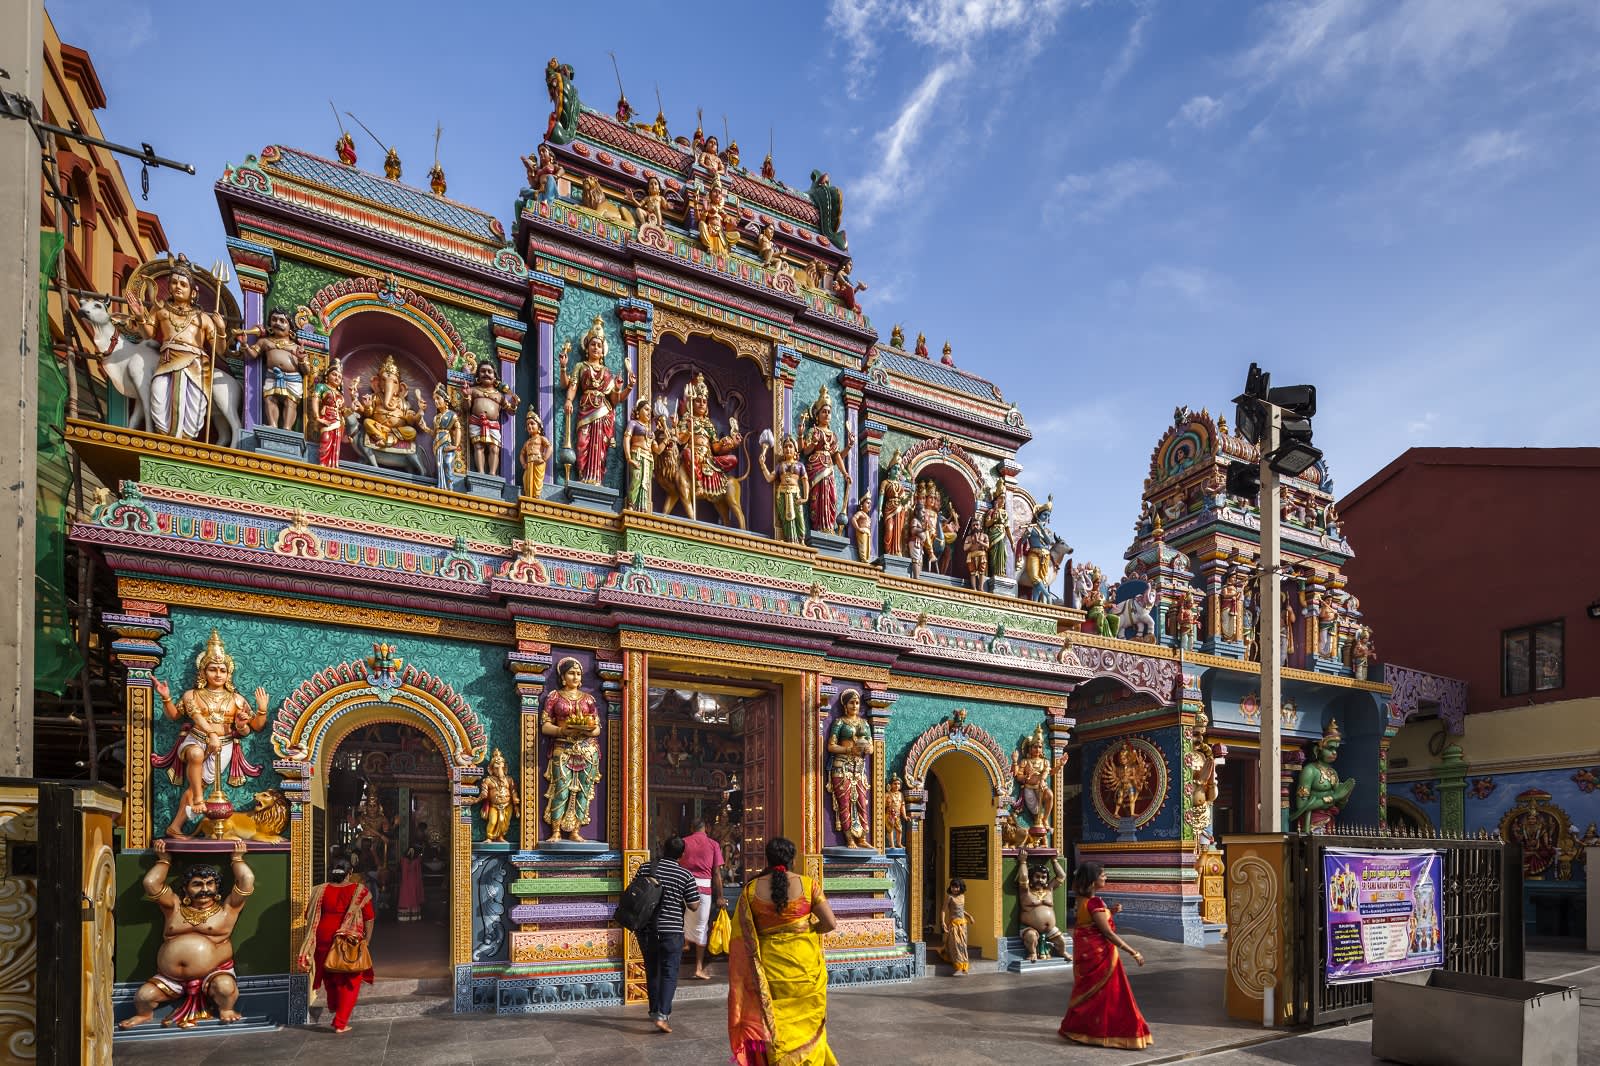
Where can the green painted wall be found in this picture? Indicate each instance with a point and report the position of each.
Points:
(915, 712)
(260, 939)
(295, 283)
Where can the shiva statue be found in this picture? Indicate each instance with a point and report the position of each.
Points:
(489, 403)
(1030, 768)
(189, 339)
(500, 803)
(596, 392)
(1036, 888)
(215, 718)
(1319, 794)
(849, 787)
(789, 489)
(285, 366)
(823, 455)
(195, 959)
(571, 718)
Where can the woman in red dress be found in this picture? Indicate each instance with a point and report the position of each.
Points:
(339, 908)
(1102, 1010)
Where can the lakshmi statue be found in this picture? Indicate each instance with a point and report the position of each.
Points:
(328, 410)
(1030, 768)
(850, 742)
(189, 340)
(596, 391)
(789, 489)
(389, 416)
(215, 718)
(572, 718)
(823, 455)
(997, 525)
(500, 802)
(1319, 794)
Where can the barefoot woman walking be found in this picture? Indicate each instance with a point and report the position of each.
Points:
(1102, 1010)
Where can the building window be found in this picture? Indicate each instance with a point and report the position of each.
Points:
(1531, 659)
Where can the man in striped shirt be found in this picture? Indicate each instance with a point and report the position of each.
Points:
(662, 945)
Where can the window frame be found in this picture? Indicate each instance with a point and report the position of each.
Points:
(1532, 633)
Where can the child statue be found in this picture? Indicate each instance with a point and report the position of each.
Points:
(571, 718)
(894, 815)
(861, 529)
(284, 366)
(976, 549)
(500, 802)
(536, 452)
(790, 489)
(490, 402)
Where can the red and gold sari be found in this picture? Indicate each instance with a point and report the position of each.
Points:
(1102, 1010)
(777, 984)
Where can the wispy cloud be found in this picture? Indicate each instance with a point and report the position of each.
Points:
(1128, 56)
(1492, 148)
(1096, 196)
(104, 26)
(1195, 288)
(1199, 112)
(885, 184)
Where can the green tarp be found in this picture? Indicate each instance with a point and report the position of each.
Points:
(55, 650)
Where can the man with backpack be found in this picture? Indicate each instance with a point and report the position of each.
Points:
(652, 907)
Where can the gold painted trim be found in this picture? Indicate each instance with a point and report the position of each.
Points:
(355, 268)
(708, 534)
(686, 322)
(565, 512)
(717, 653)
(1139, 845)
(968, 690)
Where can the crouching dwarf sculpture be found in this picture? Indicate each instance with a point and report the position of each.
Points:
(195, 960)
(1036, 887)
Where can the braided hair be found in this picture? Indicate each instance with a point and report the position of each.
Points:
(780, 854)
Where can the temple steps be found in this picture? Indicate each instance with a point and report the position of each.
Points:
(395, 997)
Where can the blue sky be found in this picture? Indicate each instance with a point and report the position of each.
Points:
(1110, 208)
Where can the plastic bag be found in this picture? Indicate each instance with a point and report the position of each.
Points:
(721, 933)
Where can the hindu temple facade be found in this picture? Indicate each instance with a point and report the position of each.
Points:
(634, 496)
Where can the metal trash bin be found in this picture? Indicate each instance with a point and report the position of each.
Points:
(1439, 1018)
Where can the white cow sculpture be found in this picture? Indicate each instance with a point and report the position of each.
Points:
(130, 366)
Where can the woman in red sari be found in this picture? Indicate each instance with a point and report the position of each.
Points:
(340, 908)
(1102, 1010)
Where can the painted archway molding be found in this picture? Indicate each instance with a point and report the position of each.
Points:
(942, 451)
(955, 734)
(336, 302)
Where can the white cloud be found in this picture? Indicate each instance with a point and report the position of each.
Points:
(1199, 112)
(1094, 197)
(1194, 287)
(1129, 55)
(886, 184)
(1492, 148)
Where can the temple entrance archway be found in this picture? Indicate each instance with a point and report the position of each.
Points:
(959, 840)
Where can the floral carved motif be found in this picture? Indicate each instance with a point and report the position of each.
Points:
(1154, 677)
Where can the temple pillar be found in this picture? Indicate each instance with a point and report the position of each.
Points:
(1452, 769)
(544, 292)
(872, 444)
(530, 665)
(880, 702)
(916, 812)
(611, 685)
(254, 265)
(1294, 759)
(508, 336)
(815, 713)
(638, 333)
(853, 387)
(1059, 727)
(784, 368)
(1383, 774)
(139, 629)
(635, 817)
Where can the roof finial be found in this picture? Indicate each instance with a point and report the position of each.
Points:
(624, 109)
(436, 175)
(345, 146)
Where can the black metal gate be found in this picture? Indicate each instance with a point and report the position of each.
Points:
(1481, 923)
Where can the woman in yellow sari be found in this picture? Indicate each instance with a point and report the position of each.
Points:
(777, 979)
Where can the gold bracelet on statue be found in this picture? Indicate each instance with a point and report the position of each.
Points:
(243, 891)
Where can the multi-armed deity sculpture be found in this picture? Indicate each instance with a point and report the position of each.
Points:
(593, 393)
(849, 786)
(571, 718)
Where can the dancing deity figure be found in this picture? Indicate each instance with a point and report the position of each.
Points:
(284, 366)
(596, 392)
(1036, 889)
(850, 742)
(571, 718)
(1126, 777)
(189, 339)
(1319, 794)
(195, 959)
(500, 803)
(215, 718)
(823, 455)
(489, 403)
(389, 416)
(894, 815)
(789, 489)
(1030, 768)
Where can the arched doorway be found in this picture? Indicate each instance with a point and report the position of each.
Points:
(959, 840)
(388, 807)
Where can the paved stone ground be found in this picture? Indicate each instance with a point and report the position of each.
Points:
(985, 1019)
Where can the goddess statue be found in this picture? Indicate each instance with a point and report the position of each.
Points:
(997, 524)
(850, 742)
(651, 207)
(711, 455)
(500, 801)
(572, 718)
(215, 718)
(195, 959)
(447, 462)
(789, 491)
(823, 455)
(1230, 600)
(489, 403)
(285, 365)
(1030, 768)
(1361, 653)
(894, 510)
(639, 451)
(596, 392)
(389, 415)
(719, 225)
(328, 409)
(1319, 794)
(189, 339)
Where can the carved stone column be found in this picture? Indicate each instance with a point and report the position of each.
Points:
(784, 368)
(611, 690)
(814, 714)
(872, 441)
(508, 336)
(544, 291)
(916, 811)
(254, 264)
(1059, 727)
(530, 664)
(1452, 771)
(881, 702)
(140, 628)
(852, 386)
(638, 333)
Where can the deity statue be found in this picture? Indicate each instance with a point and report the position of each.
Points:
(997, 527)
(284, 366)
(564, 106)
(829, 202)
(544, 173)
(651, 206)
(328, 410)
(948, 531)
(1203, 792)
(1036, 888)
(975, 547)
(489, 403)
(596, 392)
(849, 787)
(500, 800)
(1126, 775)
(372, 825)
(215, 717)
(1361, 653)
(389, 415)
(718, 221)
(535, 456)
(1030, 768)
(1041, 551)
(1230, 600)
(861, 529)
(897, 337)
(572, 718)
(823, 455)
(894, 815)
(1186, 620)
(1285, 625)
(345, 148)
(790, 489)
(391, 165)
(919, 542)
(771, 259)
(731, 156)
(769, 171)
(845, 288)
(1327, 627)
(710, 157)
(639, 451)
(195, 959)
(447, 462)
(921, 350)
(189, 340)
(1319, 794)
(436, 180)
(702, 465)
(894, 507)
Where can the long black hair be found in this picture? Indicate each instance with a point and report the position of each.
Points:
(1084, 877)
(780, 855)
(338, 867)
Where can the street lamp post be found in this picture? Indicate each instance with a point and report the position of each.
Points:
(1269, 633)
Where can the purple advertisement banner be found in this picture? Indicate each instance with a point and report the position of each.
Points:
(1383, 912)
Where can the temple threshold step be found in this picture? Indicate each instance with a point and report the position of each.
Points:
(211, 1027)
(374, 1008)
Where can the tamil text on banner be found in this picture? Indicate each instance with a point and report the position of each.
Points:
(1382, 912)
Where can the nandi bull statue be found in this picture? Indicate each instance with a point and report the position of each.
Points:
(1132, 599)
(166, 374)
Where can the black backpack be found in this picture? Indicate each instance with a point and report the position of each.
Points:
(636, 909)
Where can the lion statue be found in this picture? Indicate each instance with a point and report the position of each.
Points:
(264, 823)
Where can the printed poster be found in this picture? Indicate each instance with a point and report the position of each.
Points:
(1383, 912)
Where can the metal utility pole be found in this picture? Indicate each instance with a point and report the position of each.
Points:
(21, 74)
(1269, 635)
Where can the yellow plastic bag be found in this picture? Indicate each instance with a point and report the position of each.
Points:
(721, 932)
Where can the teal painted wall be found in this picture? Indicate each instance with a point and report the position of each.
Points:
(915, 712)
(578, 308)
(278, 655)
